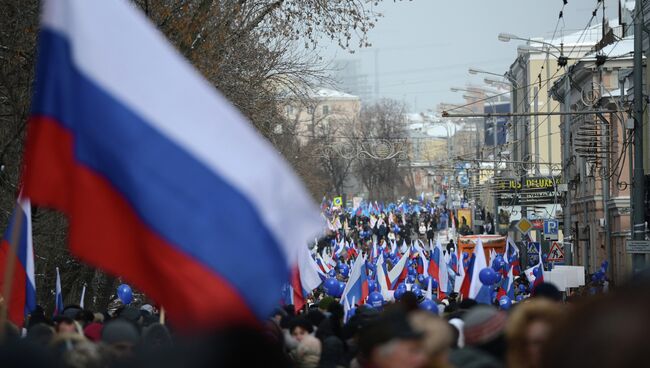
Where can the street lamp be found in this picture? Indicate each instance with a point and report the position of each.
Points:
(496, 83)
(561, 59)
(506, 37)
(477, 90)
(475, 71)
(505, 75)
(525, 49)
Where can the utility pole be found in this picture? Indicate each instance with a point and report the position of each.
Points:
(536, 108)
(566, 157)
(638, 183)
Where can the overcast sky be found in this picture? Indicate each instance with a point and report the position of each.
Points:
(426, 46)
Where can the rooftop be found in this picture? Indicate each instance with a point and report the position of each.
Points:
(332, 94)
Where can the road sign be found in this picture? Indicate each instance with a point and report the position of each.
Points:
(463, 180)
(556, 254)
(533, 253)
(524, 226)
(637, 246)
(337, 201)
(551, 229)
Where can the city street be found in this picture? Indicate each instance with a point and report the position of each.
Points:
(324, 183)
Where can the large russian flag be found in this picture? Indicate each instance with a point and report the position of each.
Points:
(22, 298)
(162, 179)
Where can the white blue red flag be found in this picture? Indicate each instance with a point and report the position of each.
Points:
(477, 290)
(58, 295)
(22, 299)
(357, 286)
(398, 273)
(512, 256)
(305, 278)
(162, 179)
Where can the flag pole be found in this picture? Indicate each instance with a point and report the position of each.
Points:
(162, 315)
(9, 269)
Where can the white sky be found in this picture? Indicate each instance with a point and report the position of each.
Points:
(426, 46)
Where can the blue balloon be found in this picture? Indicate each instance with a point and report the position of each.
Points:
(401, 285)
(331, 286)
(537, 272)
(399, 293)
(505, 303)
(429, 306)
(498, 263)
(372, 286)
(341, 288)
(465, 255)
(371, 266)
(423, 280)
(344, 269)
(375, 299)
(412, 271)
(487, 276)
(417, 290)
(409, 263)
(519, 298)
(522, 288)
(125, 293)
(499, 277)
(331, 273)
(410, 279)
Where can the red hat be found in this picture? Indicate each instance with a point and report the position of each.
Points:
(93, 331)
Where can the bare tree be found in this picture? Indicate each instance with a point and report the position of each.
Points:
(246, 48)
(382, 127)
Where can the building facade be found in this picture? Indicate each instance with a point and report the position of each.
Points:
(599, 169)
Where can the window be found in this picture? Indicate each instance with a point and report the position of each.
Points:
(326, 109)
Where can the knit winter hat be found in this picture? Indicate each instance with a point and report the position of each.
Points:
(483, 323)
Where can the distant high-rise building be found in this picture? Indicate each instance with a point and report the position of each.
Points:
(348, 76)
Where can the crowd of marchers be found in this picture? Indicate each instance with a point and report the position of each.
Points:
(605, 330)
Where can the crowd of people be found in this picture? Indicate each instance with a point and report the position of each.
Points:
(544, 331)
(402, 327)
